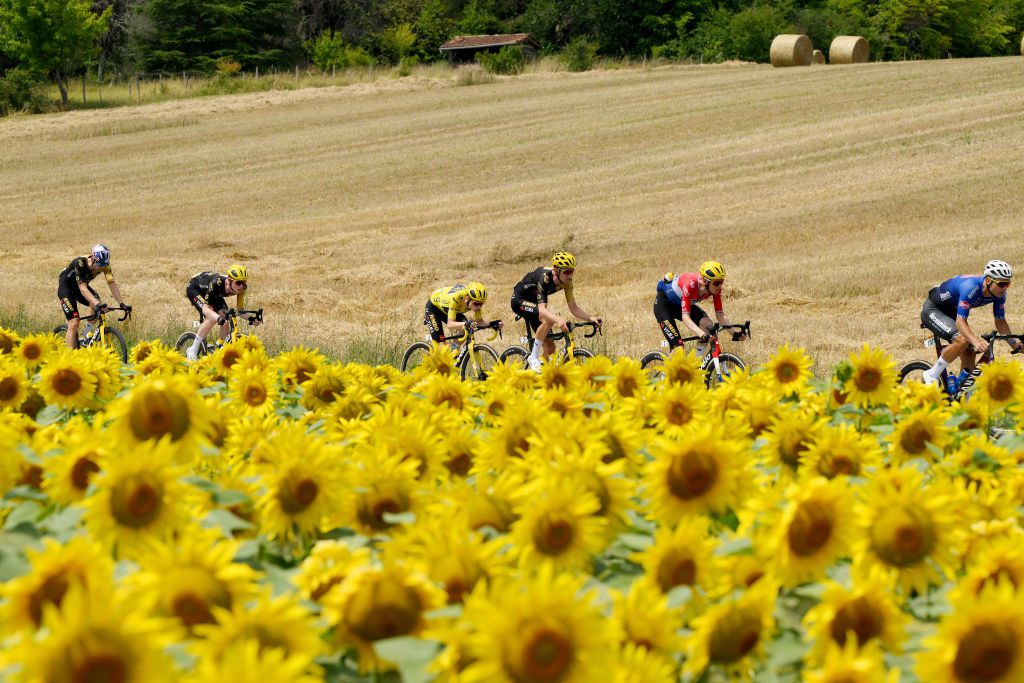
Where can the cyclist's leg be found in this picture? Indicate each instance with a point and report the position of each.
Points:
(667, 314)
(433, 318)
(207, 321)
(69, 301)
(702, 319)
(943, 326)
(527, 310)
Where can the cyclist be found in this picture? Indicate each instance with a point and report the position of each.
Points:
(450, 304)
(73, 288)
(206, 292)
(676, 301)
(530, 301)
(946, 310)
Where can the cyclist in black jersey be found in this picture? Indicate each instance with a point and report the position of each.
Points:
(73, 288)
(530, 301)
(206, 292)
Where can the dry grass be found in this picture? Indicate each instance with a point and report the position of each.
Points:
(835, 197)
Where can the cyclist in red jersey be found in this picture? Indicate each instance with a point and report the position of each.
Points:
(677, 297)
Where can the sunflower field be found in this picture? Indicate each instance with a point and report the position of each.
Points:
(250, 518)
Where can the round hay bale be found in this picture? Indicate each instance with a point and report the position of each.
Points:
(791, 50)
(848, 50)
(818, 57)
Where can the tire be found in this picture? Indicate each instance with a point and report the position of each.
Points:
(185, 341)
(653, 363)
(414, 355)
(62, 330)
(114, 341)
(729, 363)
(488, 359)
(580, 355)
(514, 356)
(913, 370)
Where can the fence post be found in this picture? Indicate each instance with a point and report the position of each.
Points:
(257, 71)
(83, 88)
(296, 73)
(138, 88)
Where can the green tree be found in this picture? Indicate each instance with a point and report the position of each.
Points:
(55, 37)
(434, 27)
(752, 30)
(397, 42)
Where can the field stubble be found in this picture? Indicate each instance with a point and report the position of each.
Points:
(835, 196)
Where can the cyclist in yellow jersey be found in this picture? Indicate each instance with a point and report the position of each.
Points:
(449, 305)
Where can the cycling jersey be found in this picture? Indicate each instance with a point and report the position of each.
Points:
(685, 289)
(453, 301)
(207, 288)
(538, 285)
(964, 292)
(78, 272)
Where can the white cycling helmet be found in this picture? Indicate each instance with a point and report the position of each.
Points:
(999, 270)
(101, 254)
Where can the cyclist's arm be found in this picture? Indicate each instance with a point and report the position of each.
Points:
(1003, 327)
(240, 300)
(94, 301)
(581, 314)
(547, 315)
(115, 291)
(965, 329)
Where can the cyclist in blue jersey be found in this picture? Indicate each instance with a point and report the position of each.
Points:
(946, 310)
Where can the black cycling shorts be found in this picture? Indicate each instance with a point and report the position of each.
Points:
(942, 324)
(70, 296)
(527, 310)
(435, 318)
(667, 313)
(196, 298)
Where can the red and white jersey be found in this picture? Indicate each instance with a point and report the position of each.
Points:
(685, 290)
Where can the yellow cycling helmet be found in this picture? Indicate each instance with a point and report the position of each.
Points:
(712, 271)
(563, 259)
(477, 292)
(238, 273)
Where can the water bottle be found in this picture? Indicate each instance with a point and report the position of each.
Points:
(952, 383)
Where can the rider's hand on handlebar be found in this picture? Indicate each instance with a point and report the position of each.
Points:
(253, 320)
(102, 307)
(221, 319)
(1018, 347)
(981, 346)
(597, 321)
(705, 338)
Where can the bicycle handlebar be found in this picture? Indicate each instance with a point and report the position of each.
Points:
(741, 330)
(255, 315)
(126, 313)
(993, 336)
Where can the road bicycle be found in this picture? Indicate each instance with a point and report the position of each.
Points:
(186, 340)
(716, 364)
(954, 386)
(102, 334)
(519, 354)
(473, 359)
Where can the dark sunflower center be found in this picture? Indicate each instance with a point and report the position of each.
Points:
(66, 382)
(867, 379)
(627, 386)
(676, 571)
(255, 395)
(546, 657)
(82, 471)
(50, 592)
(552, 535)
(9, 388)
(1001, 389)
(388, 609)
(986, 654)
(679, 414)
(154, 414)
(106, 667)
(810, 529)
(786, 373)
(903, 536)
(734, 636)
(191, 609)
(915, 438)
(135, 501)
(859, 617)
(692, 475)
(459, 464)
(296, 496)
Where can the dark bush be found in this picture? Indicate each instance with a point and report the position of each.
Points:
(22, 90)
(508, 60)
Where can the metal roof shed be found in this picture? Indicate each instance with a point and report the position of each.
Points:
(463, 49)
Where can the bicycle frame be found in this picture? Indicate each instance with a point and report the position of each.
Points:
(468, 346)
(99, 332)
(233, 331)
(985, 358)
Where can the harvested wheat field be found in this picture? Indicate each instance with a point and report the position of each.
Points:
(834, 196)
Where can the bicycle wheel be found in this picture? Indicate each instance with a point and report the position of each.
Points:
(729, 365)
(185, 342)
(479, 365)
(113, 340)
(914, 370)
(653, 364)
(414, 356)
(580, 355)
(515, 356)
(61, 330)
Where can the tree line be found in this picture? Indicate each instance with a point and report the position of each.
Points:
(58, 39)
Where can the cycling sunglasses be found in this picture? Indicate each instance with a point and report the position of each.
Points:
(568, 271)
(1003, 284)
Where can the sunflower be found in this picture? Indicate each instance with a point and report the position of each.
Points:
(409, 438)
(34, 349)
(490, 503)
(863, 614)
(164, 407)
(326, 566)
(558, 526)
(325, 386)
(446, 391)
(556, 374)
(279, 622)
(702, 471)
(920, 434)
(909, 530)
(155, 357)
(914, 395)
(461, 443)
(732, 633)
(872, 378)
(301, 480)
(788, 437)
(630, 379)
(681, 556)
(53, 569)
(13, 384)
(646, 619)
(683, 367)
(94, 635)
(382, 486)
(754, 409)
(543, 629)
(252, 392)
(1001, 560)
(789, 369)
(299, 365)
(439, 361)
(816, 528)
(67, 381)
(187, 578)
(676, 407)
(244, 661)
(8, 341)
(561, 401)
(841, 451)
(622, 436)
(982, 639)
(978, 460)
(1001, 384)
(377, 603)
(597, 371)
(67, 475)
(850, 664)
(140, 497)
